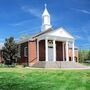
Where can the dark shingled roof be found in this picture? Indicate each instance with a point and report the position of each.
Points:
(41, 33)
(33, 37)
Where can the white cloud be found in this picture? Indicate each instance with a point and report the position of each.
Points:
(81, 10)
(35, 29)
(85, 11)
(20, 23)
(1, 45)
(32, 11)
(78, 37)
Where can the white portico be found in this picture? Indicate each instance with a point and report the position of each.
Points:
(51, 49)
(53, 45)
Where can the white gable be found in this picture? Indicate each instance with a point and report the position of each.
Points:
(61, 33)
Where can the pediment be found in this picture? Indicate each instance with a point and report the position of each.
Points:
(61, 33)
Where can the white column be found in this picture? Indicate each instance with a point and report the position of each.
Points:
(73, 51)
(46, 49)
(67, 56)
(54, 51)
(37, 50)
(63, 50)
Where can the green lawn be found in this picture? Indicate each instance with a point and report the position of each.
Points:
(86, 64)
(43, 79)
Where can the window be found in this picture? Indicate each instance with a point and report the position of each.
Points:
(50, 46)
(76, 49)
(25, 51)
(50, 42)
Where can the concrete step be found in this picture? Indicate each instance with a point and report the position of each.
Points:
(58, 64)
(43, 64)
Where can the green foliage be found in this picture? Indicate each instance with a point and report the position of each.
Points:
(42, 79)
(10, 51)
(89, 55)
(84, 55)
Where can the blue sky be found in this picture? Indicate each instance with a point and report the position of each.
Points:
(23, 17)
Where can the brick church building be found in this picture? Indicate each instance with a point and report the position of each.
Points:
(49, 45)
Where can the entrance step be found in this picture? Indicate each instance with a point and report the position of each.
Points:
(58, 64)
(43, 64)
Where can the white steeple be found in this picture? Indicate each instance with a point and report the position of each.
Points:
(46, 19)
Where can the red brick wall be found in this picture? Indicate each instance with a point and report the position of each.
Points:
(23, 58)
(70, 53)
(42, 50)
(32, 49)
(76, 54)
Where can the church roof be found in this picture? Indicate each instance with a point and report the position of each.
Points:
(44, 32)
(35, 36)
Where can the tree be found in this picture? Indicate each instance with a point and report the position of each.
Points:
(89, 55)
(81, 56)
(10, 51)
(84, 55)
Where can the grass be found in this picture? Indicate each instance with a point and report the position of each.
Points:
(44, 79)
(86, 64)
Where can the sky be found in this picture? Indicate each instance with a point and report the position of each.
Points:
(19, 18)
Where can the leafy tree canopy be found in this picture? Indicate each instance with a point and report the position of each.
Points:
(10, 51)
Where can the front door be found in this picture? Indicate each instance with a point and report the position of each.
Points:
(50, 53)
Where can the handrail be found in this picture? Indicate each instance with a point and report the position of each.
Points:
(33, 59)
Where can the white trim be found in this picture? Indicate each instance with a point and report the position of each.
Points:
(54, 51)
(37, 50)
(54, 37)
(73, 51)
(46, 50)
(67, 56)
(61, 29)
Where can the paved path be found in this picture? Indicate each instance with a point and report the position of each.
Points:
(58, 64)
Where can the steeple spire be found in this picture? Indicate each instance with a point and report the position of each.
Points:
(45, 5)
(45, 19)
(45, 11)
